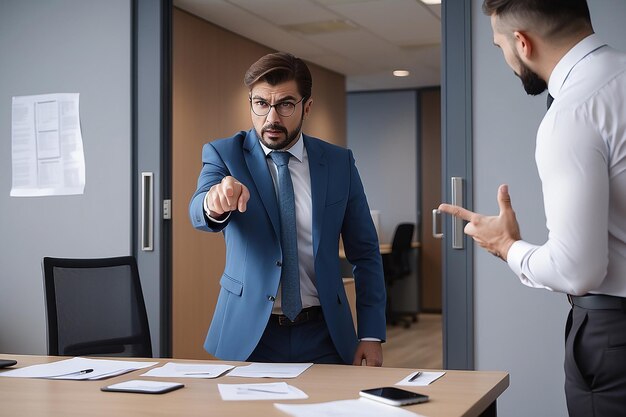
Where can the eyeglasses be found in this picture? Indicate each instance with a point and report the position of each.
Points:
(263, 108)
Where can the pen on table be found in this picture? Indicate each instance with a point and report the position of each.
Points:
(414, 377)
(262, 390)
(81, 372)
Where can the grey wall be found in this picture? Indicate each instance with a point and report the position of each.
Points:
(382, 133)
(63, 46)
(517, 329)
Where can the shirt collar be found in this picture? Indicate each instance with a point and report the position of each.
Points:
(297, 150)
(569, 61)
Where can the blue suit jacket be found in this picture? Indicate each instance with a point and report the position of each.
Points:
(251, 276)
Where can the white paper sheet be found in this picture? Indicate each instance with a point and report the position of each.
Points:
(270, 370)
(77, 368)
(142, 386)
(47, 146)
(424, 379)
(188, 370)
(345, 408)
(271, 391)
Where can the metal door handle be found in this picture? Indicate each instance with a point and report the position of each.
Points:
(147, 211)
(457, 223)
(436, 234)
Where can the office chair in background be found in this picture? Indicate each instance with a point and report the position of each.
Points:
(95, 307)
(397, 266)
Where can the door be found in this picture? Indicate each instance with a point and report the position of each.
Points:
(197, 260)
(210, 102)
(458, 281)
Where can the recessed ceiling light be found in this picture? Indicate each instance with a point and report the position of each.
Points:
(431, 1)
(401, 73)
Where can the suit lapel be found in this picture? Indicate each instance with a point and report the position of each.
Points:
(318, 169)
(257, 165)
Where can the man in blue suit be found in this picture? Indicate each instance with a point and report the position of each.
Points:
(282, 297)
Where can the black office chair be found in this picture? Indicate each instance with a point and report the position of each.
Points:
(95, 307)
(397, 266)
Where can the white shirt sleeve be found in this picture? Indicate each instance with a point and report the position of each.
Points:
(518, 256)
(572, 161)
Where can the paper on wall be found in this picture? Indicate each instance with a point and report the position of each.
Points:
(47, 146)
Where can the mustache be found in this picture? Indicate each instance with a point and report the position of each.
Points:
(274, 126)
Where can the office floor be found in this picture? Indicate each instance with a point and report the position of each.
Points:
(419, 346)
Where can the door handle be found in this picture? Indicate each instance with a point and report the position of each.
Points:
(456, 189)
(147, 212)
(436, 233)
(456, 185)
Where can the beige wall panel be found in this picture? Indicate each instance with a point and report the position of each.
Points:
(210, 102)
(431, 198)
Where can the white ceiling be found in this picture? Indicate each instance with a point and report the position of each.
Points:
(363, 39)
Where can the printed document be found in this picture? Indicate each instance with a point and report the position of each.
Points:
(189, 370)
(271, 391)
(77, 368)
(270, 370)
(423, 379)
(345, 408)
(47, 146)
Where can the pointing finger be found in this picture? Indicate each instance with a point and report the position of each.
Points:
(229, 190)
(243, 198)
(456, 211)
(229, 185)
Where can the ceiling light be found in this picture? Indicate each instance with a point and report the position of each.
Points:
(431, 1)
(401, 73)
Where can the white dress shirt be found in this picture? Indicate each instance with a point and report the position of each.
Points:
(581, 158)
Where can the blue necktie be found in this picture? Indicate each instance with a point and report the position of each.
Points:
(290, 274)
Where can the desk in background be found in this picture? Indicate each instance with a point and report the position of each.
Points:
(406, 293)
(385, 248)
(457, 393)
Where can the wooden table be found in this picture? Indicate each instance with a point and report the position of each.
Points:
(457, 393)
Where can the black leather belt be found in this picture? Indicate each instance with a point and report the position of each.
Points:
(598, 302)
(306, 314)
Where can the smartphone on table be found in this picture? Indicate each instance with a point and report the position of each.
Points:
(393, 396)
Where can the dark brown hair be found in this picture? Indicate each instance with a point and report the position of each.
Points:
(280, 67)
(556, 17)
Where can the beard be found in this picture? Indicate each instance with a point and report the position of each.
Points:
(280, 143)
(533, 84)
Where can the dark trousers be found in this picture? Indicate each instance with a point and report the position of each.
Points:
(595, 363)
(298, 343)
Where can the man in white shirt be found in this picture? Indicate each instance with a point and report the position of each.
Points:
(581, 158)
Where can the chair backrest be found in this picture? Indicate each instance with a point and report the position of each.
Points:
(95, 307)
(401, 247)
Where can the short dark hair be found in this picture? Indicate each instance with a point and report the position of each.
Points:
(556, 17)
(280, 67)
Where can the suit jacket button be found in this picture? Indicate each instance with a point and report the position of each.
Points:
(271, 298)
(279, 263)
